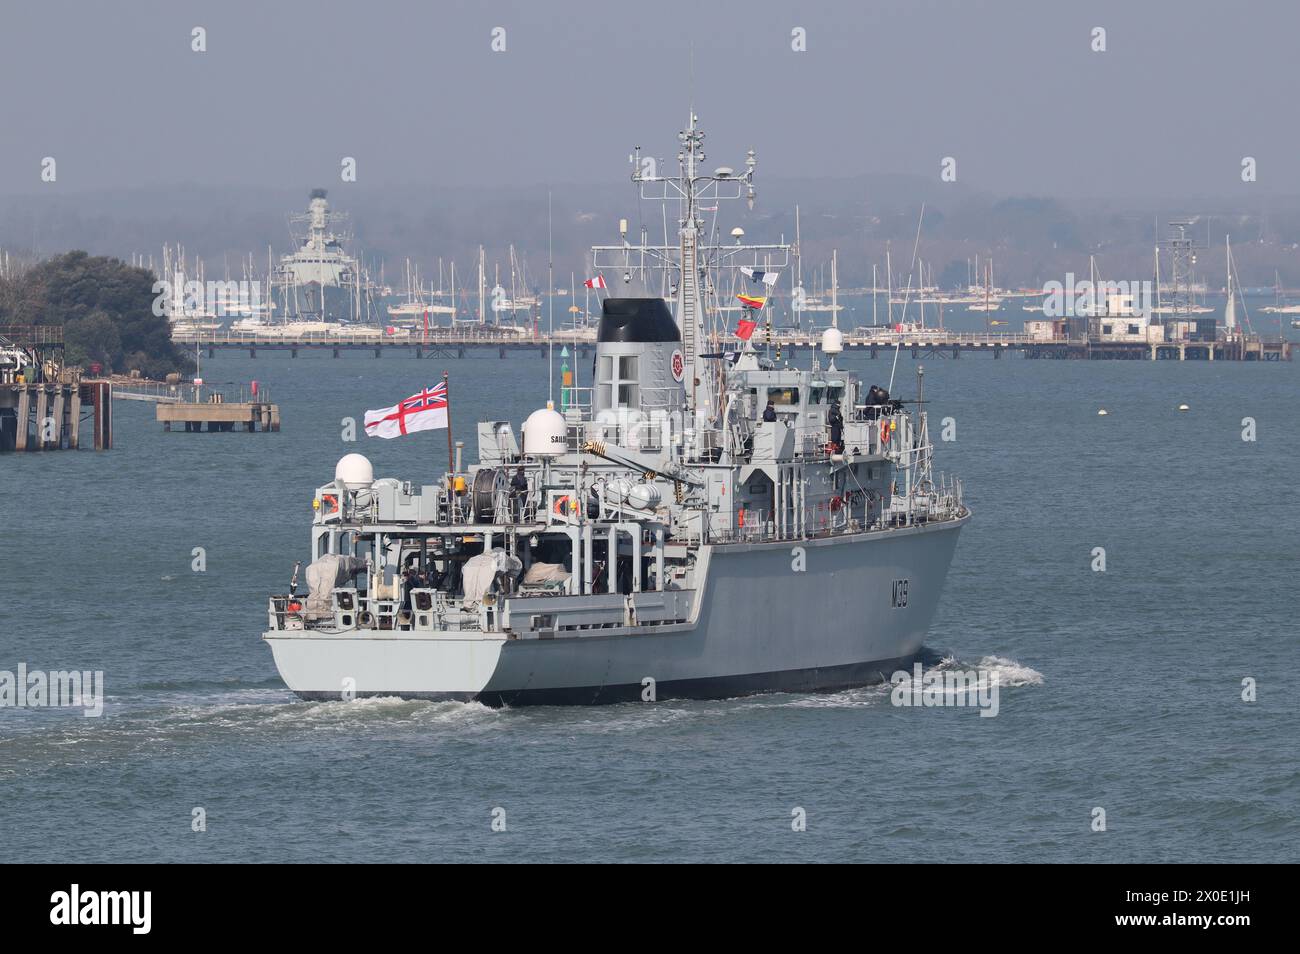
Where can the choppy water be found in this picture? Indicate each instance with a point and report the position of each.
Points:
(1120, 690)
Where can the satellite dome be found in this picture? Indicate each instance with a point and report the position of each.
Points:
(545, 434)
(832, 341)
(355, 471)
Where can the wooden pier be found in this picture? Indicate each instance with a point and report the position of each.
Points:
(42, 403)
(439, 343)
(444, 342)
(198, 406)
(213, 408)
(220, 416)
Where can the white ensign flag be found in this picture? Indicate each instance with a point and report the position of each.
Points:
(426, 411)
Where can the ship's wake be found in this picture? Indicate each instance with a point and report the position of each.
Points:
(1006, 673)
(155, 717)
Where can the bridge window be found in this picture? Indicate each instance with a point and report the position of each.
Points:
(824, 395)
(783, 397)
(620, 381)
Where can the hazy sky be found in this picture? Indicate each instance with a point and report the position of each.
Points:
(415, 93)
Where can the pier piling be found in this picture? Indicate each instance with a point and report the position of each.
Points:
(46, 415)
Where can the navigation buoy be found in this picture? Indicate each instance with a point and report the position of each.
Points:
(1102, 413)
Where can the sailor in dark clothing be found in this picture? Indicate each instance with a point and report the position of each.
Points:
(769, 412)
(410, 580)
(518, 491)
(835, 420)
(876, 397)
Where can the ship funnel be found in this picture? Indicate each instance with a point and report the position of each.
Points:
(545, 434)
(355, 471)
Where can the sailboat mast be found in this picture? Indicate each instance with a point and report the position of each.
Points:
(889, 286)
(835, 288)
(1230, 312)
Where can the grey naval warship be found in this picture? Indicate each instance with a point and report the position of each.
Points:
(319, 281)
(703, 521)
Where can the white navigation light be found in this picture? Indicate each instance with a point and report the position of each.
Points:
(355, 471)
(832, 341)
(724, 172)
(545, 434)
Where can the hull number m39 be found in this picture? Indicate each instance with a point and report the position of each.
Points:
(898, 600)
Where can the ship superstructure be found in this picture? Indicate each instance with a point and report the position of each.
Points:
(320, 281)
(704, 520)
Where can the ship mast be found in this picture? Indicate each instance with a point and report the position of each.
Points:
(690, 186)
(689, 314)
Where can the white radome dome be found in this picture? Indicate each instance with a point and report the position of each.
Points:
(355, 471)
(545, 434)
(832, 341)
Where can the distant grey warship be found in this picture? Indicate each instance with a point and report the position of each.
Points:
(319, 281)
(703, 521)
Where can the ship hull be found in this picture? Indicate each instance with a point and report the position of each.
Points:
(316, 302)
(815, 615)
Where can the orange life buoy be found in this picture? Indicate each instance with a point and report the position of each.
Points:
(885, 428)
(329, 503)
(561, 505)
(740, 520)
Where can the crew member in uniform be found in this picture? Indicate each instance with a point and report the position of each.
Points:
(769, 412)
(876, 397)
(518, 491)
(836, 422)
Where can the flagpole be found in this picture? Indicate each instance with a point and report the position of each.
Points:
(550, 310)
(451, 453)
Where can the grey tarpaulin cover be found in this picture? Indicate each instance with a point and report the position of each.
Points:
(481, 570)
(324, 574)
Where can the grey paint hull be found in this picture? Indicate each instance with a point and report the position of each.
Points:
(761, 624)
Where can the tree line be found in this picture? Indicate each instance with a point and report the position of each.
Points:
(106, 310)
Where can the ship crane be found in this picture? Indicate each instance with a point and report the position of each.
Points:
(648, 467)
